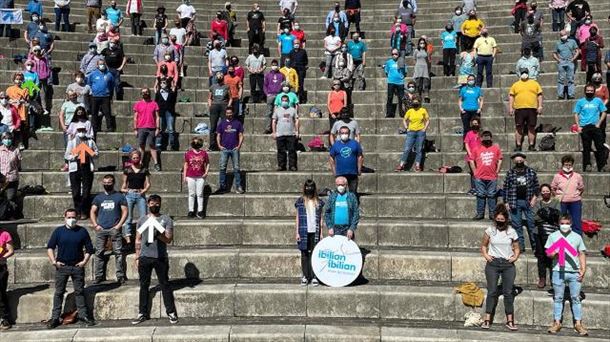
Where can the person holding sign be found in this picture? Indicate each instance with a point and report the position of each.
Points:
(151, 253)
(342, 211)
(569, 266)
(309, 228)
(80, 153)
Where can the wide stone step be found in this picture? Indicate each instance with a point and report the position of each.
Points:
(376, 302)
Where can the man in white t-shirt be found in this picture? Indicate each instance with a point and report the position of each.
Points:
(179, 32)
(186, 12)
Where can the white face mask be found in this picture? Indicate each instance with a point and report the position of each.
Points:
(79, 80)
(70, 222)
(28, 67)
(274, 67)
(341, 189)
(567, 169)
(525, 76)
(81, 134)
(344, 137)
(565, 228)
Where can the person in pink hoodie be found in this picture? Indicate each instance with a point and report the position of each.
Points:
(568, 186)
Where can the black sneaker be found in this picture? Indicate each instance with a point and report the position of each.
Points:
(478, 217)
(157, 167)
(87, 322)
(141, 318)
(173, 318)
(121, 280)
(5, 325)
(98, 281)
(531, 148)
(220, 191)
(191, 214)
(53, 323)
(517, 148)
(201, 215)
(293, 169)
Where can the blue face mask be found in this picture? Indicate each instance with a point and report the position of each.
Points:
(7, 142)
(285, 104)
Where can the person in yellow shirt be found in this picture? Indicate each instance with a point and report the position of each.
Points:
(471, 30)
(416, 121)
(486, 48)
(291, 75)
(525, 103)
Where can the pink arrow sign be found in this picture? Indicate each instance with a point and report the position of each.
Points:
(561, 246)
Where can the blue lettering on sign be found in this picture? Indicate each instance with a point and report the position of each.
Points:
(336, 261)
(8, 16)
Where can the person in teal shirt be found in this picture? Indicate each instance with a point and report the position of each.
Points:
(449, 39)
(34, 6)
(293, 99)
(285, 44)
(357, 49)
(395, 73)
(114, 14)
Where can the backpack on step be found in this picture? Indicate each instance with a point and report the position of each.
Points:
(547, 143)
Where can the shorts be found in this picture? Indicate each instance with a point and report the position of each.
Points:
(526, 117)
(146, 136)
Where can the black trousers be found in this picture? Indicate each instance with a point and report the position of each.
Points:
(62, 274)
(102, 104)
(468, 42)
(256, 87)
(286, 145)
(4, 308)
(80, 184)
(466, 117)
(449, 62)
(161, 266)
(136, 25)
(593, 135)
(217, 112)
(352, 182)
(301, 72)
(256, 37)
(544, 262)
(306, 257)
(493, 271)
(519, 16)
(399, 91)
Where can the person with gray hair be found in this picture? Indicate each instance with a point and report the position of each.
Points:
(346, 158)
(342, 212)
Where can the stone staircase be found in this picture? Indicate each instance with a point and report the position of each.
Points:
(236, 273)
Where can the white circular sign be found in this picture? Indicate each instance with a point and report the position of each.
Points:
(336, 261)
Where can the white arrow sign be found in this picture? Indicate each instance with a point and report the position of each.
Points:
(151, 224)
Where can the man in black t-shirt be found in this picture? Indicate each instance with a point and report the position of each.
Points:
(115, 61)
(576, 12)
(285, 21)
(256, 28)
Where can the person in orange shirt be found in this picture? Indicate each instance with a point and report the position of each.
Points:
(172, 70)
(18, 97)
(337, 99)
(235, 84)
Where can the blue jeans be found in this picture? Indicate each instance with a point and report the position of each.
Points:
(224, 159)
(575, 211)
(62, 13)
(486, 192)
(560, 278)
(133, 199)
(565, 73)
(523, 208)
(414, 138)
(485, 62)
(558, 19)
(167, 126)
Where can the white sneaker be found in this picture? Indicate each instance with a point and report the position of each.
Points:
(314, 282)
(323, 77)
(304, 281)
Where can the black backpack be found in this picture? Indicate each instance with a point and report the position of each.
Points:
(547, 143)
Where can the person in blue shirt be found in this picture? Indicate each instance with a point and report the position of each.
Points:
(449, 39)
(29, 75)
(589, 113)
(31, 29)
(337, 12)
(357, 49)
(114, 14)
(34, 6)
(45, 38)
(285, 44)
(470, 102)
(396, 83)
(342, 212)
(101, 82)
(346, 158)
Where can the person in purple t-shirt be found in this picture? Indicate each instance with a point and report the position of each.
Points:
(229, 137)
(272, 85)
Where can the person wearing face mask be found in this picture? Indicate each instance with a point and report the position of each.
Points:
(342, 212)
(345, 120)
(421, 70)
(153, 256)
(520, 195)
(236, 89)
(135, 183)
(42, 67)
(299, 34)
(584, 31)
(162, 48)
(472, 142)
(45, 38)
(410, 95)
(547, 212)
(332, 47)
(31, 29)
(161, 23)
(194, 173)
(285, 131)
(229, 138)
(102, 24)
(10, 164)
(415, 122)
(525, 104)
(18, 97)
(134, 11)
(285, 44)
(529, 62)
(470, 102)
(219, 100)
(256, 26)
(79, 119)
(519, 13)
(486, 163)
(108, 214)
(256, 65)
(531, 34)
(114, 14)
(449, 39)
(343, 74)
(62, 11)
(116, 61)
(457, 19)
(558, 11)
(11, 121)
(218, 26)
(346, 159)
(290, 75)
(352, 10)
(272, 85)
(218, 61)
(336, 17)
(336, 100)
(467, 63)
(395, 79)
(186, 13)
(285, 22)
(82, 90)
(356, 48)
(486, 49)
(147, 125)
(89, 61)
(293, 99)
(309, 212)
(29, 74)
(299, 61)
(81, 170)
(571, 274)
(589, 115)
(7, 250)
(74, 249)
(102, 83)
(172, 71)
(566, 52)
(471, 30)
(166, 98)
(591, 53)
(500, 251)
(406, 13)
(66, 113)
(34, 7)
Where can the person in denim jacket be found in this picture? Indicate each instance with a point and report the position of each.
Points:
(342, 211)
(308, 228)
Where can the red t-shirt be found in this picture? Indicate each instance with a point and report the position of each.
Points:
(602, 93)
(486, 160)
(300, 35)
(473, 141)
(220, 27)
(196, 163)
(146, 114)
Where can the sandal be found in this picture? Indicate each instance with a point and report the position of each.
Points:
(486, 324)
(511, 326)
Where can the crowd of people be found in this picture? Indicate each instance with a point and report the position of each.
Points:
(468, 53)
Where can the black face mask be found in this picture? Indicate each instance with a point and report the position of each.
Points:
(346, 119)
(154, 209)
(475, 128)
(108, 187)
(310, 191)
(486, 143)
(196, 146)
(520, 166)
(501, 224)
(589, 95)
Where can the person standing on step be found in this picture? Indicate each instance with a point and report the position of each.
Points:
(18, 97)
(299, 61)
(500, 250)
(470, 102)
(134, 10)
(531, 35)
(194, 173)
(74, 249)
(335, 102)
(472, 142)
(153, 256)
(285, 44)
(457, 19)
(571, 274)
(344, 119)
(346, 159)
(272, 86)
(219, 100)
(255, 27)
(146, 125)
(486, 163)
(256, 65)
(93, 13)
(114, 14)
(10, 122)
(116, 61)
(285, 132)
(421, 71)
(62, 11)
(332, 48)
(357, 49)
(520, 195)
(166, 100)
(290, 5)
(10, 164)
(566, 52)
(601, 92)
(342, 211)
(396, 83)
(81, 167)
(101, 82)
(309, 216)
(591, 60)
(558, 11)
(135, 184)
(415, 122)
(353, 9)
(589, 115)
(7, 250)
(471, 30)
(42, 67)
(547, 212)
(108, 214)
(88, 63)
(449, 39)
(236, 90)
(529, 62)
(486, 49)
(525, 104)
(229, 138)
(568, 187)
(291, 76)
(163, 47)
(161, 23)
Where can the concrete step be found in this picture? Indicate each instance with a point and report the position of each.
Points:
(223, 301)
